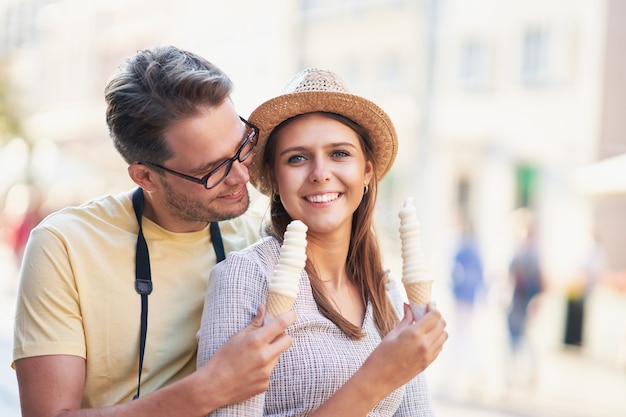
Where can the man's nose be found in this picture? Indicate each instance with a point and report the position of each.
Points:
(238, 173)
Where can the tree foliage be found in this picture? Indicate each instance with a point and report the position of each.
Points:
(9, 116)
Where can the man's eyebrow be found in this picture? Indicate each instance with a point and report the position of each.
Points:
(205, 168)
(210, 165)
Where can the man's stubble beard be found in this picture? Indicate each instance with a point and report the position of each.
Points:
(192, 210)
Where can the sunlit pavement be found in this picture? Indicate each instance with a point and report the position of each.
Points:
(568, 386)
(9, 403)
(567, 382)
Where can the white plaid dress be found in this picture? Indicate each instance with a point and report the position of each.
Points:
(321, 358)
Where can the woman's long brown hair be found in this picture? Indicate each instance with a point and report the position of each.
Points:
(364, 261)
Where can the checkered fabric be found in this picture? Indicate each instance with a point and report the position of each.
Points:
(321, 358)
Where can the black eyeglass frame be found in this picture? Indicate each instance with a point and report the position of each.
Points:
(252, 136)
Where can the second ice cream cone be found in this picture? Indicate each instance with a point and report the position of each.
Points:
(419, 292)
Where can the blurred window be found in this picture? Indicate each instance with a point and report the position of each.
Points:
(475, 64)
(311, 4)
(535, 55)
(18, 23)
(357, 6)
(390, 74)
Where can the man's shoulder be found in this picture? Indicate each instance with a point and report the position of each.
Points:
(249, 223)
(110, 208)
(240, 232)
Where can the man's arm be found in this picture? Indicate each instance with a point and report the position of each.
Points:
(405, 352)
(52, 385)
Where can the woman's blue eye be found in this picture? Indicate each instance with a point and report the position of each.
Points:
(340, 154)
(295, 159)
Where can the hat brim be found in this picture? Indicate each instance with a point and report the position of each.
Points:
(358, 109)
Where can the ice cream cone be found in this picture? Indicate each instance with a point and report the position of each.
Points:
(278, 303)
(283, 286)
(419, 292)
(415, 277)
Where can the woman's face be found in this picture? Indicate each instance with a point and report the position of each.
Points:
(320, 171)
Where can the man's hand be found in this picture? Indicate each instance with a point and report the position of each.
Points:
(242, 366)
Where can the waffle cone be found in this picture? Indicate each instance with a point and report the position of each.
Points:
(419, 292)
(278, 303)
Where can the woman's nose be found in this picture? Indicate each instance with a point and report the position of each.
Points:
(320, 173)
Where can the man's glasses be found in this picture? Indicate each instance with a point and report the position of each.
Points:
(219, 173)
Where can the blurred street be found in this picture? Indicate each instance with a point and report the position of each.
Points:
(568, 382)
(9, 402)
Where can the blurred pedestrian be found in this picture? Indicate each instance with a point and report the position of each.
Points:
(467, 271)
(527, 282)
(467, 288)
(590, 271)
(23, 210)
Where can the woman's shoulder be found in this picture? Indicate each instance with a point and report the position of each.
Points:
(263, 254)
(262, 250)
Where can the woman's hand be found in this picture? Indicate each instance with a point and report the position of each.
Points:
(409, 348)
(405, 352)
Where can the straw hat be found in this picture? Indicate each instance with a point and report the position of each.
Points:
(314, 90)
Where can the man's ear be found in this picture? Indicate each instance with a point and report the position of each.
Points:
(142, 176)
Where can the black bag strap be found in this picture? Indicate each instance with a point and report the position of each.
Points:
(143, 276)
(216, 239)
(143, 280)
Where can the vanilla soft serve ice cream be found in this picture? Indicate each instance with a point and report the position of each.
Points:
(283, 287)
(415, 277)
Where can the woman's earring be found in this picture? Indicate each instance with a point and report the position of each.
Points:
(366, 189)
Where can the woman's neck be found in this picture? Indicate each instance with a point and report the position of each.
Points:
(329, 260)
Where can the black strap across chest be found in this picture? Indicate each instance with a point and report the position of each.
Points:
(143, 276)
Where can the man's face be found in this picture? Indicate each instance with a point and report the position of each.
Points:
(199, 144)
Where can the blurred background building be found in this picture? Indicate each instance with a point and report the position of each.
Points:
(506, 111)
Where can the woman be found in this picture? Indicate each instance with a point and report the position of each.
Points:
(320, 155)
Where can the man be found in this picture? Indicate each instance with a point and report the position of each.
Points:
(78, 314)
(78, 348)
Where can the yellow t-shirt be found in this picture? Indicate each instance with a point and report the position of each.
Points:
(77, 296)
